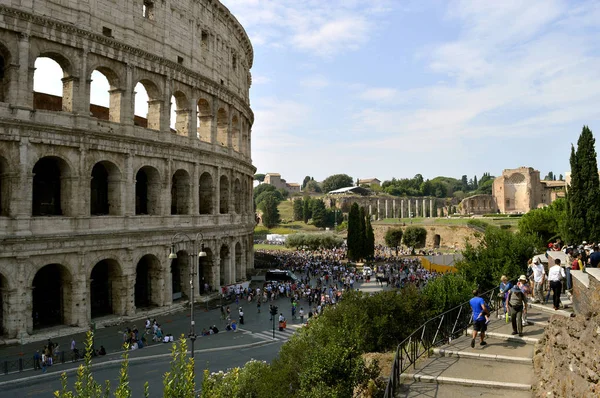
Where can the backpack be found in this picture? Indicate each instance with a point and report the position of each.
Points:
(575, 265)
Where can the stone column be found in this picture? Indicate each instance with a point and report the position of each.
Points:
(129, 202)
(129, 293)
(24, 96)
(217, 195)
(402, 208)
(370, 210)
(409, 212)
(394, 208)
(386, 208)
(431, 208)
(424, 208)
(14, 323)
(378, 209)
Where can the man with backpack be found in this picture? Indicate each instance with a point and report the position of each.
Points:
(517, 303)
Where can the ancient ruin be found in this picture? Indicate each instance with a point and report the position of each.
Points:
(91, 196)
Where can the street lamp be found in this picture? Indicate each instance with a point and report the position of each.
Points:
(195, 256)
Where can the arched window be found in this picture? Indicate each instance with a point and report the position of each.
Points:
(147, 191)
(180, 114)
(205, 118)
(52, 90)
(51, 301)
(105, 186)
(105, 295)
(105, 95)
(224, 195)
(180, 192)
(235, 133)
(51, 187)
(205, 194)
(4, 77)
(148, 282)
(222, 127)
(148, 105)
(225, 266)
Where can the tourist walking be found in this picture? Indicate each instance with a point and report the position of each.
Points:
(241, 314)
(480, 310)
(556, 274)
(539, 278)
(516, 303)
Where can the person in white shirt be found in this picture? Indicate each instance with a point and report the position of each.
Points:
(556, 274)
(539, 278)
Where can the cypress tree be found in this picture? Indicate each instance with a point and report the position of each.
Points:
(353, 238)
(583, 220)
(369, 238)
(362, 228)
(306, 209)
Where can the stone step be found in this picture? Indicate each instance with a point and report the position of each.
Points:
(508, 337)
(443, 352)
(414, 389)
(467, 371)
(516, 349)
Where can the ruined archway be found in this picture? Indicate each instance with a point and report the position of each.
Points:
(225, 266)
(53, 88)
(52, 288)
(180, 275)
(205, 194)
(222, 127)
(51, 187)
(148, 105)
(180, 192)
(205, 278)
(105, 195)
(240, 275)
(235, 133)
(437, 240)
(148, 281)
(147, 191)
(205, 118)
(105, 295)
(224, 195)
(105, 95)
(180, 113)
(237, 196)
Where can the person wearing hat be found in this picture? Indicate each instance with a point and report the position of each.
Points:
(517, 304)
(526, 289)
(539, 278)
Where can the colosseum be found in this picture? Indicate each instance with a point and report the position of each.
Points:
(91, 196)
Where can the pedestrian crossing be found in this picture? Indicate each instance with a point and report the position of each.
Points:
(285, 335)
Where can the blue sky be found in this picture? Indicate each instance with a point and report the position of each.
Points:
(388, 89)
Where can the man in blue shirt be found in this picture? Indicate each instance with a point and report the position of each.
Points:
(595, 257)
(479, 312)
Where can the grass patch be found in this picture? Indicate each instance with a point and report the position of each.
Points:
(286, 210)
(262, 246)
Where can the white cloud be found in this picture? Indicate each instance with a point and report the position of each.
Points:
(379, 94)
(259, 79)
(316, 81)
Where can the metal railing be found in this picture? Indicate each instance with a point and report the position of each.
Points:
(24, 363)
(436, 331)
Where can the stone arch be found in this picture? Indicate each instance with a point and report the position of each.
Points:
(154, 112)
(222, 127)
(182, 113)
(237, 196)
(52, 187)
(437, 240)
(224, 195)
(240, 274)
(105, 288)
(46, 101)
(115, 95)
(225, 265)
(206, 194)
(105, 189)
(205, 120)
(205, 274)
(180, 275)
(148, 282)
(52, 296)
(147, 191)
(4, 187)
(180, 192)
(235, 133)
(5, 61)
(516, 178)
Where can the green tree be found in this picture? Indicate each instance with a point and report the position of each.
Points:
(414, 237)
(319, 213)
(548, 223)
(583, 207)
(270, 212)
(393, 238)
(304, 182)
(298, 209)
(259, 177)
(262, 188)
(353, 240)
(465, 183)
(306, 209)
(313, 186)
(362, 234)
(270, 193)
(500, 252)
(336, 181)
(369, 238)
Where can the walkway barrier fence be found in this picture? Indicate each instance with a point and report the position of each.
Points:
(436, 331)
(24, 363)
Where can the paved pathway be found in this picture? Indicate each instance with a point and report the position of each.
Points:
(502, 368)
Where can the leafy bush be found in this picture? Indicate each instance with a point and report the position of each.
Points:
(314, 241)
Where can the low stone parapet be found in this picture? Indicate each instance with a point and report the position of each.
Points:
(586, 291)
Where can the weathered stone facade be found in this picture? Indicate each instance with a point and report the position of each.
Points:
(387, 206)
(90, 200)
(478, 204)
(452, 237)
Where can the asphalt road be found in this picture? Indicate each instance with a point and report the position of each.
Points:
(151, 369)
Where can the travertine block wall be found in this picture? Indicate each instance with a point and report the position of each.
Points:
(194, 179)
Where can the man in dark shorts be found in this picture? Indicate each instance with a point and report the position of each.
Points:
(479, 322)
